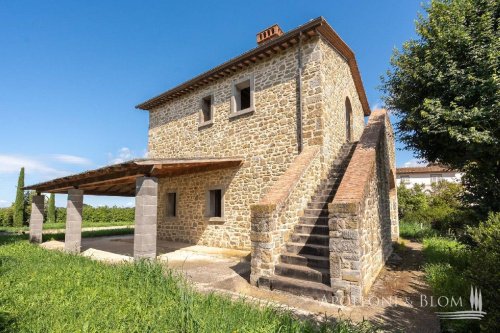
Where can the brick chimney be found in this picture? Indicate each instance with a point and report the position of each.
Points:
(269, 34)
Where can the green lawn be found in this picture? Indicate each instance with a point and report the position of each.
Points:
(49, 291)
(415, 231)
(48, 226)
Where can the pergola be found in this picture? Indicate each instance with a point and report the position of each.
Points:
(137, 178)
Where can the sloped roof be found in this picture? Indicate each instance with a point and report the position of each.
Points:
(426, 169)
(119, 179)
(266, 50)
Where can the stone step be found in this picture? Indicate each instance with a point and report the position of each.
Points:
(316, 229)
(322, 198)
(326, 192)
(311, 238)
(309, 212)
(305, 260)
(326, 187)
(318, 291)
(303, 273)
(317, 205)
(321, 220)
(302, 248)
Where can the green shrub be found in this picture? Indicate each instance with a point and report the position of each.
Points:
(445, 262)
(441, 209)
(411, 200)
(484, 268)
(6, 216)
(100, 214)
(415, 231)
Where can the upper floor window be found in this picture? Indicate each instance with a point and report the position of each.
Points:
(207, 110)
(436, 178)
(242, 99)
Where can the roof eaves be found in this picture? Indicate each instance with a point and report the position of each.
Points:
(319, 24)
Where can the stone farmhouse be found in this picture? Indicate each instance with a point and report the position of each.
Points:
(426, 176)
(267, 152)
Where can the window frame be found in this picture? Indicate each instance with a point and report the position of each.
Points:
(176, 208)
(201, 121)
(208, 214)
(234, 92)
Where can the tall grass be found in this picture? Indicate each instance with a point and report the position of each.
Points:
(446, 261)
(415, 231)
(43, 291)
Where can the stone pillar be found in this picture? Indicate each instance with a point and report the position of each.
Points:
(73, 237)
(36, 220)
(146, 205)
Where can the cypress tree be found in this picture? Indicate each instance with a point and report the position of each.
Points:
(19, 203)
(51, 211)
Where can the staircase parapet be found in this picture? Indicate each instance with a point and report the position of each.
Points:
(274, 217)
(362, 221)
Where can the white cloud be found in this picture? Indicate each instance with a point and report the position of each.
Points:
(4, 203)
(125, 154)
(12, 164)
(416, 162)
(71, 159)
(377, 105)
(130, 204)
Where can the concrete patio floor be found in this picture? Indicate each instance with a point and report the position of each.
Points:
(228, 271)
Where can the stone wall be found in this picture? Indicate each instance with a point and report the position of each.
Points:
(361, 221)
(274, 217)
(337, 85)
(266, 138)
(191, 225)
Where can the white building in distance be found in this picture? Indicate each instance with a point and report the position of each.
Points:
(426, 176)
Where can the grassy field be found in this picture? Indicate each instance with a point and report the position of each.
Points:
(44, 291)
(415, 231)
(49, 226)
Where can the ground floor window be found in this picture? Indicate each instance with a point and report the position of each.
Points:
(214, 208)
(171, 204)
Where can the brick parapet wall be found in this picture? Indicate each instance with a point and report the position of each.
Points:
(274, 217)
(361, 220)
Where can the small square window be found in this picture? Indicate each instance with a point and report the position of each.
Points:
(242, 98)
(206, 114)
(171, 204)
(215, 203)
(405, 179)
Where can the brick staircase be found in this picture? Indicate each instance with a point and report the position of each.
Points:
(304, 267)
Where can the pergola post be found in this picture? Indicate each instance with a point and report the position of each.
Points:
(36, 219)
(73, 236)
(146, 201)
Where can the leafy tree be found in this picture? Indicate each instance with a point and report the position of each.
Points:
(19, 203)
(444, 88)
(411, 200)
(51, 211)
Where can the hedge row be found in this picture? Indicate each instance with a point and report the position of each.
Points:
(90, 214)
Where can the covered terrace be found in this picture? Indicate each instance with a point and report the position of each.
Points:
(137, 178)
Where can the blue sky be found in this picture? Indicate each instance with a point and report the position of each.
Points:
(71, 72)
